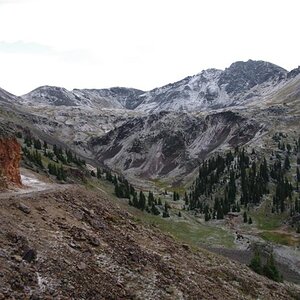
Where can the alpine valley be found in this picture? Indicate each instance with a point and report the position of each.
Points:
(147, 191)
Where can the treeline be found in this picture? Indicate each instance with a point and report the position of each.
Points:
(34, 150)
(57, 153)
(282, 173)
(123, 189)
(33, 156)
(225, 183)
(211, 177)
(57, 171)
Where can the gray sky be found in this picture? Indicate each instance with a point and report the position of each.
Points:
(138, 43)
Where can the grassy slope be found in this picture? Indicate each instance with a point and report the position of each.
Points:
(185, 229)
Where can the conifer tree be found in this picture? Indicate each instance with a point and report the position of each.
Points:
(154, 210)
(159, 201)
(166, 211)
(37, 144)
(117, 190)
(186, 199)
(255, 263)
(135, 201)
(142, 201)
(245, 217)
(150, 199)
(270, 270)
(287, 164)
(98, 173)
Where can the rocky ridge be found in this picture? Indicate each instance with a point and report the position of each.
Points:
(211, 89)
(113, 98)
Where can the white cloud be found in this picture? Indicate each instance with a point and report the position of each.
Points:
(24, 47)
(143, 44)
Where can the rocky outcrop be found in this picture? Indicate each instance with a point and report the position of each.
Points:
(293, 73)
(10, 156)
(242, 76)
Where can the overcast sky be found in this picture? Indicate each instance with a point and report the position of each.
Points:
(138, 43)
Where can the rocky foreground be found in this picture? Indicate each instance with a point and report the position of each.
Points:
(77, 244)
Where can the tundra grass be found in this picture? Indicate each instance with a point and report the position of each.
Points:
(265, 219)
(279, 238)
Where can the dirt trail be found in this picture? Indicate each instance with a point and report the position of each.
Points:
(32, 185)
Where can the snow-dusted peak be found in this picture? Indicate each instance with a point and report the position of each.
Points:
(237, 85)
(50, 95)
(242, 76)
(114, 98)
(214, 88)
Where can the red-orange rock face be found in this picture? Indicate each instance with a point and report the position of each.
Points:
(10, 156)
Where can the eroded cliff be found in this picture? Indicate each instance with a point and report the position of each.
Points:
(10, 156)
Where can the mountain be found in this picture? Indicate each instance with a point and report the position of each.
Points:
(128, 131)
(242, 82)
(116, 98)
(171, 145)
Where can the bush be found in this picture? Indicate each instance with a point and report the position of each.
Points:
(255, 263)
(270, 270)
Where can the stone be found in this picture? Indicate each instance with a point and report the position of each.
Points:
(186, 247)
(17, 258)
(30, 255)
(94, 241)
(24, 208)
(35, 296)
(81, 266)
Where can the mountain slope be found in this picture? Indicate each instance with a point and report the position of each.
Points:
(77, 244)
(171, 145)
(8, 98)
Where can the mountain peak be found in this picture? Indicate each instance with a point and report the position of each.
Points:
(113, 98)
(52, 95)
(242, 76)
